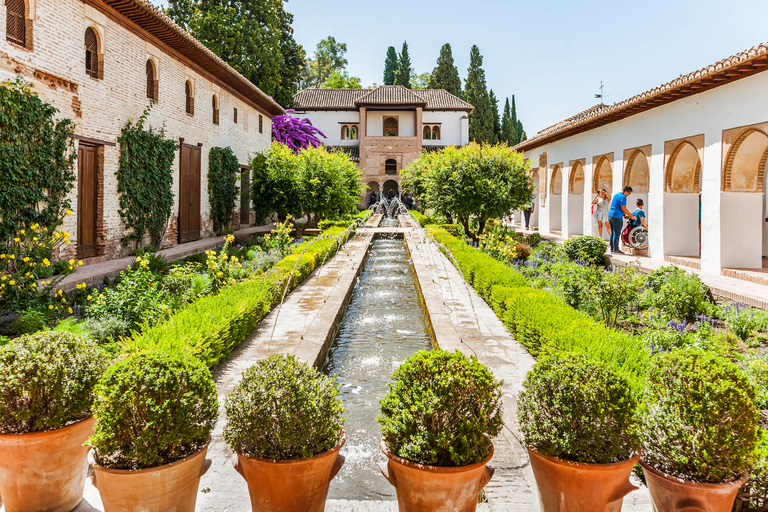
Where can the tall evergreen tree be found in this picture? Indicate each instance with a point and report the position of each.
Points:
(507, 128)
(403, 73)
(446, 74)
(476, 94)
(390, 66)
(513, 118)
(521, 136)
(254, 37)
(496, 123)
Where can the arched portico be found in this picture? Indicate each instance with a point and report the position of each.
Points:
(536, 200)
(682, 196)
(391, 185)
(556, 199)
(637, 174)
(602, 178)
(576, 198)
(372, 188)
(744, 230)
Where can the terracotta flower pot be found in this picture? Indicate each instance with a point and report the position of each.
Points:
(291, 485)
(423, 488)
(167, 488)
(566, 486)
(671, 494)
(44, 471)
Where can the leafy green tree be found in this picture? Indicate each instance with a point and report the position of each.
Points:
(36, 161)
(222, 186)
(390, 66)
(446, 74)
(475, 182)
(342, 80)
(315, 183)
(420, 80)
(404, 70)
(496, 122)
(255, 37)
(476, 94)
(329, 59)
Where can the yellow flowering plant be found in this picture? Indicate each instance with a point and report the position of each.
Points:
(224, 270)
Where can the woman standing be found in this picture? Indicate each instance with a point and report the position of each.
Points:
(601, 205)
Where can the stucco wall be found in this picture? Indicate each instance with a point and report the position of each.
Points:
(375, 122)
(450, 129)
(101, 107)
(738, 104)
(330, 123)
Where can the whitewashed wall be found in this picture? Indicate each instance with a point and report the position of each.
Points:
(450, 127)
(330, 124)
(375, 122)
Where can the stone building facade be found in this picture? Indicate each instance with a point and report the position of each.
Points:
(101, 63)
(386, 128)
(694, 149)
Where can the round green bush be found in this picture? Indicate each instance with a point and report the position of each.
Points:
(442, 409)
(578, 409)
(699, 420)
(586, 248)
(152, 409)
(755, 367)
(47, 381)
(283, 409)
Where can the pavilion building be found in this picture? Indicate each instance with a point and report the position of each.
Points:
(694, 149)
(386, 128)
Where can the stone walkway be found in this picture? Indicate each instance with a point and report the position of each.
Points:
(94, 274)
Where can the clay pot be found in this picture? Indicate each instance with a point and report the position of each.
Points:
(423, 488)
(167, 488)
(291, 485)
(671, 494)
(44, 471)
(566, 486)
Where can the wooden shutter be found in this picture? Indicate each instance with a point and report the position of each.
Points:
(215, 110)
(190, 108)
(91, 53)
(15, 29)
(261, 123)
(151, 81)
(87, 201)
(235, 116)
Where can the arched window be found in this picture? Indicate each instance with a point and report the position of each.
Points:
(235, 115)
(261, 123)
(390, 166)
(151, 80)
(15, 22)
(436, 130)
(344, 132)
(215, 107)
(91, 53)
(190, 104)
(353, 132)
(391, 127)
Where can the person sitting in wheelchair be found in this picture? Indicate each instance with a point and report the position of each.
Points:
(639, 215)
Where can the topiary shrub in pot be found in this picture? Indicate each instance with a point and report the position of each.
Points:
(46, 395)
(578, 418)
(438, 419)
(285, 424)
(699, 431)
(155, 412)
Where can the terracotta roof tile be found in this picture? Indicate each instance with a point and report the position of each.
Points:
(350, 99)
(722, 72)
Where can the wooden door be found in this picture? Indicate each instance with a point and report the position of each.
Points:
(87, 201)
(245, 196)
(189, 193)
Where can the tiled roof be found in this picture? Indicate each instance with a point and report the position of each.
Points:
(350, 99)
(352, 151)
(147, 18)
(722, 72)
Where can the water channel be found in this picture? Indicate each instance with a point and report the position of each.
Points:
(383, 325)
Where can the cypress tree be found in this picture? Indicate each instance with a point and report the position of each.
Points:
(513, 115)
(507, 128)
(496, 123)
(403, 72)
(390, 66)
(476, 94)
(446, 74)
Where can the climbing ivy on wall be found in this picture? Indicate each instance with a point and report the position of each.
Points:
(144, 181)
(222, 186)
(36, 161)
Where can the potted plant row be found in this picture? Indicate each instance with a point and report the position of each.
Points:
(438, 419)
(46, 394)
(578, 419)
(154, 412)
(284, 422)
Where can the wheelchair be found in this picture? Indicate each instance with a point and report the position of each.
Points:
(636, 238)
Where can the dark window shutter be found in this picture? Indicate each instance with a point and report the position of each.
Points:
(15, 22)
(188, 92)
(151, 82)
(261, 123)
(215, 110)
(235, 116)
(91, 53)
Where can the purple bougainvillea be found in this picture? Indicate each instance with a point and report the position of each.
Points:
(294, 132)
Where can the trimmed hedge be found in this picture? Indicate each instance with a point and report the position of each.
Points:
(542, 322)
(211, 327)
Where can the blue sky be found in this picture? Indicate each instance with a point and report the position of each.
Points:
(551, 55)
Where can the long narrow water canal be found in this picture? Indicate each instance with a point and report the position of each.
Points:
(383, 325)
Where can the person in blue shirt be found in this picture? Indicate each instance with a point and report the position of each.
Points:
(639, 215)
(616, 217)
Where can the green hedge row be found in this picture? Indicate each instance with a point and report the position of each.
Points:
(541, 321)
(212, 327)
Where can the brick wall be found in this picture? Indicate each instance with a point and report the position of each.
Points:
(100, 107)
